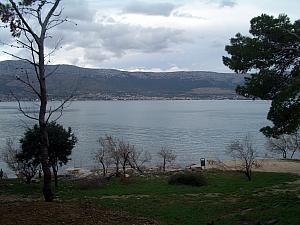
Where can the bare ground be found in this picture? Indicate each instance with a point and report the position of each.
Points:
(73, 213)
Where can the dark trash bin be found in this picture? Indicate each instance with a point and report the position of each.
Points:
(202, 162)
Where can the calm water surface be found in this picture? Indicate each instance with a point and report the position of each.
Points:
(193, 129)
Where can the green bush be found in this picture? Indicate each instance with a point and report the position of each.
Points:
(188, 178)
(91, 182)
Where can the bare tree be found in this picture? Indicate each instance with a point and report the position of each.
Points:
(244, 151)
(138, 159)
(30, 22)
(278, 145)
(103, 154)
(19, 163)
(125, 149)
(167, 156)
(284, 144)
(113, 152)
(9, 156)
(120, 154)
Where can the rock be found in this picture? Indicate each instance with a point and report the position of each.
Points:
(271, 222)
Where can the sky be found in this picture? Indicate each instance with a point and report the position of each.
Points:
(152, 35)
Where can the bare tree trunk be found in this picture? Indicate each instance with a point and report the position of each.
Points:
(104, 169)
(117, 168)
(284, 154)
(48, 194)
(292, 155)
(28, 179)
(164, 165)
(47, 191)
(248, 174)
(55, 169)
(124, 169)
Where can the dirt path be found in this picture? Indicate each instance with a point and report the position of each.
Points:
(73, 213)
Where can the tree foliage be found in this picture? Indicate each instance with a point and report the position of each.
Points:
(272, 55)
(61, 143)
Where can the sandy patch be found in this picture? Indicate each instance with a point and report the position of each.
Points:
(264, 165)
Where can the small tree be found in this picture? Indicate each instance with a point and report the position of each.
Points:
(124, 150)
(167, 156)
(284, 144)
(9, 155)
(278, 145)
(20, 163)
(120, 154)
(61, 143)
(138, 159)
(245, 152)
(103, 154)
(113, 153)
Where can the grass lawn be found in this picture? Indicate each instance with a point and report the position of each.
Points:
(229, 198)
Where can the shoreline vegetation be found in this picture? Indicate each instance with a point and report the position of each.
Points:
(291, 166)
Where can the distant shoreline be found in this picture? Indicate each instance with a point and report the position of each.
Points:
(146, 99)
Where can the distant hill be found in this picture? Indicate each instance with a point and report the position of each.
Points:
(86, 83)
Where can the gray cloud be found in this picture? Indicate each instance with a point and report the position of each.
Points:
(103, 40)
(228, 3)
(5, 37)
(75, 10)
(186, 15)
(138, 7)
(123, 37)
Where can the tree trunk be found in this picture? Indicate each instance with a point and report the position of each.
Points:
(28, 180)
(104, 169)
(248, 174)
(47, 191)
(54, 168)
(164, 165)
(284, 154)
(292, 155)
(117, 169)
(124, 169)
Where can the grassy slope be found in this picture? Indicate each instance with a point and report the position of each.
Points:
(229, 198)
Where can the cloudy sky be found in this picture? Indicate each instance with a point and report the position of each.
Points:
(154, 35)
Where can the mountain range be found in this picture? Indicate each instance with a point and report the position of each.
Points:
(85, 83)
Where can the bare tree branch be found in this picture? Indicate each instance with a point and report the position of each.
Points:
(18, 57)
(21, 109)
(29, 84)
(59, 108)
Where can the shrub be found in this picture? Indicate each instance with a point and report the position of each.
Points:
(188, 178)
(91, 182)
